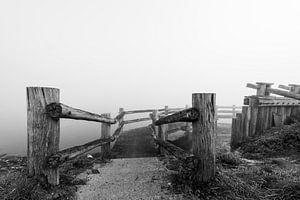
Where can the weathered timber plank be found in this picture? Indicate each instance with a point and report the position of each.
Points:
(284, 87)
(59, 110)
(174, 150)
(42, 133)
(118, 131)
(204, 135)
(67, 154)
(187, 115)
(137, 120)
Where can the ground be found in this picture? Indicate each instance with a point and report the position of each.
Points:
(241, 174)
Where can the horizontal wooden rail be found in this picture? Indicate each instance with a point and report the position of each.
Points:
(174, 150)
(67, 154)
(284, 87)
(227, 111)
(225, 116)
(140, 111)
(59, 110)
(229, 107)
(187, 115)
(276, 91)
(137, 120)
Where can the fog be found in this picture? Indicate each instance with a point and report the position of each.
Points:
(138, 54)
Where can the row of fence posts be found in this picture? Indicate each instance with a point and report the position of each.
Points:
(257, 117)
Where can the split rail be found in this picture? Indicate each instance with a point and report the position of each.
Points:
(44, 112)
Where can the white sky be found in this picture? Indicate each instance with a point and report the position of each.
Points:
(140, 54)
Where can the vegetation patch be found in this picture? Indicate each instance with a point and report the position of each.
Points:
(15, 185)
(274, 142)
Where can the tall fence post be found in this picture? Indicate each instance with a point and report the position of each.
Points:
(295, 88)
(154, 118)
(203, 145)
(42, 133)
(233, 111)
(263, 89)
(105, 133)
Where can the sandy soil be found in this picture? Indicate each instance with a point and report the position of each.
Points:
(129, 178)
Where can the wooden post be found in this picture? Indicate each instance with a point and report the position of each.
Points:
(165, 127)
(121, 110)
(154, 118)
(253, 110)
(233, 135)
(294, 88)
(203, 145)
(262, 89)
(42, 133)
(233, 111)
(105, 133)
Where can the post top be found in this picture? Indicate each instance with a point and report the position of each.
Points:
(294, 85)
(264, 83)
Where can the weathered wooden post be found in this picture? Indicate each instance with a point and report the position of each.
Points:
(203, 145)
(154, 117)
(233, 111)
(105, 133)
(295, 88)
(121, 110)
(42, 133)
(263, 89)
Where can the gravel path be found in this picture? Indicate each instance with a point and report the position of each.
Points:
(129, 178)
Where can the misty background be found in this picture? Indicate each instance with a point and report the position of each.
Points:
(138, 54)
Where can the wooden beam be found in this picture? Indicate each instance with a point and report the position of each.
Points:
(118, 131)
(120, 116)
(138, 111)
(174, 150)
(284, 93)
(67, 154)
(42, 133)
(204, 135)
(284, 87)
(187, 115)
(59, 110)
(137, 120)
(253, 86)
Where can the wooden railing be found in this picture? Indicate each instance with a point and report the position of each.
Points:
(202, 116)
(44, 112)
(263, 111)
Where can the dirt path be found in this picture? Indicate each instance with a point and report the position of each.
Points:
(135, 143)
(130, 178)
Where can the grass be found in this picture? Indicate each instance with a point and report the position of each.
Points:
(15, 185)
(274, 177)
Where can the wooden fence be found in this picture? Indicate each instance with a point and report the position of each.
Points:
(44, 111)
(262, 111)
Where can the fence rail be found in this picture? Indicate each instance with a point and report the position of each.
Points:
(263, 111)
(44, 111)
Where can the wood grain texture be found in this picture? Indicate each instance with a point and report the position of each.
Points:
(174, 150)
(60, 157)
(137, 120)
(204, 136)
(59, 110)
(187, 115)
(42, 133)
